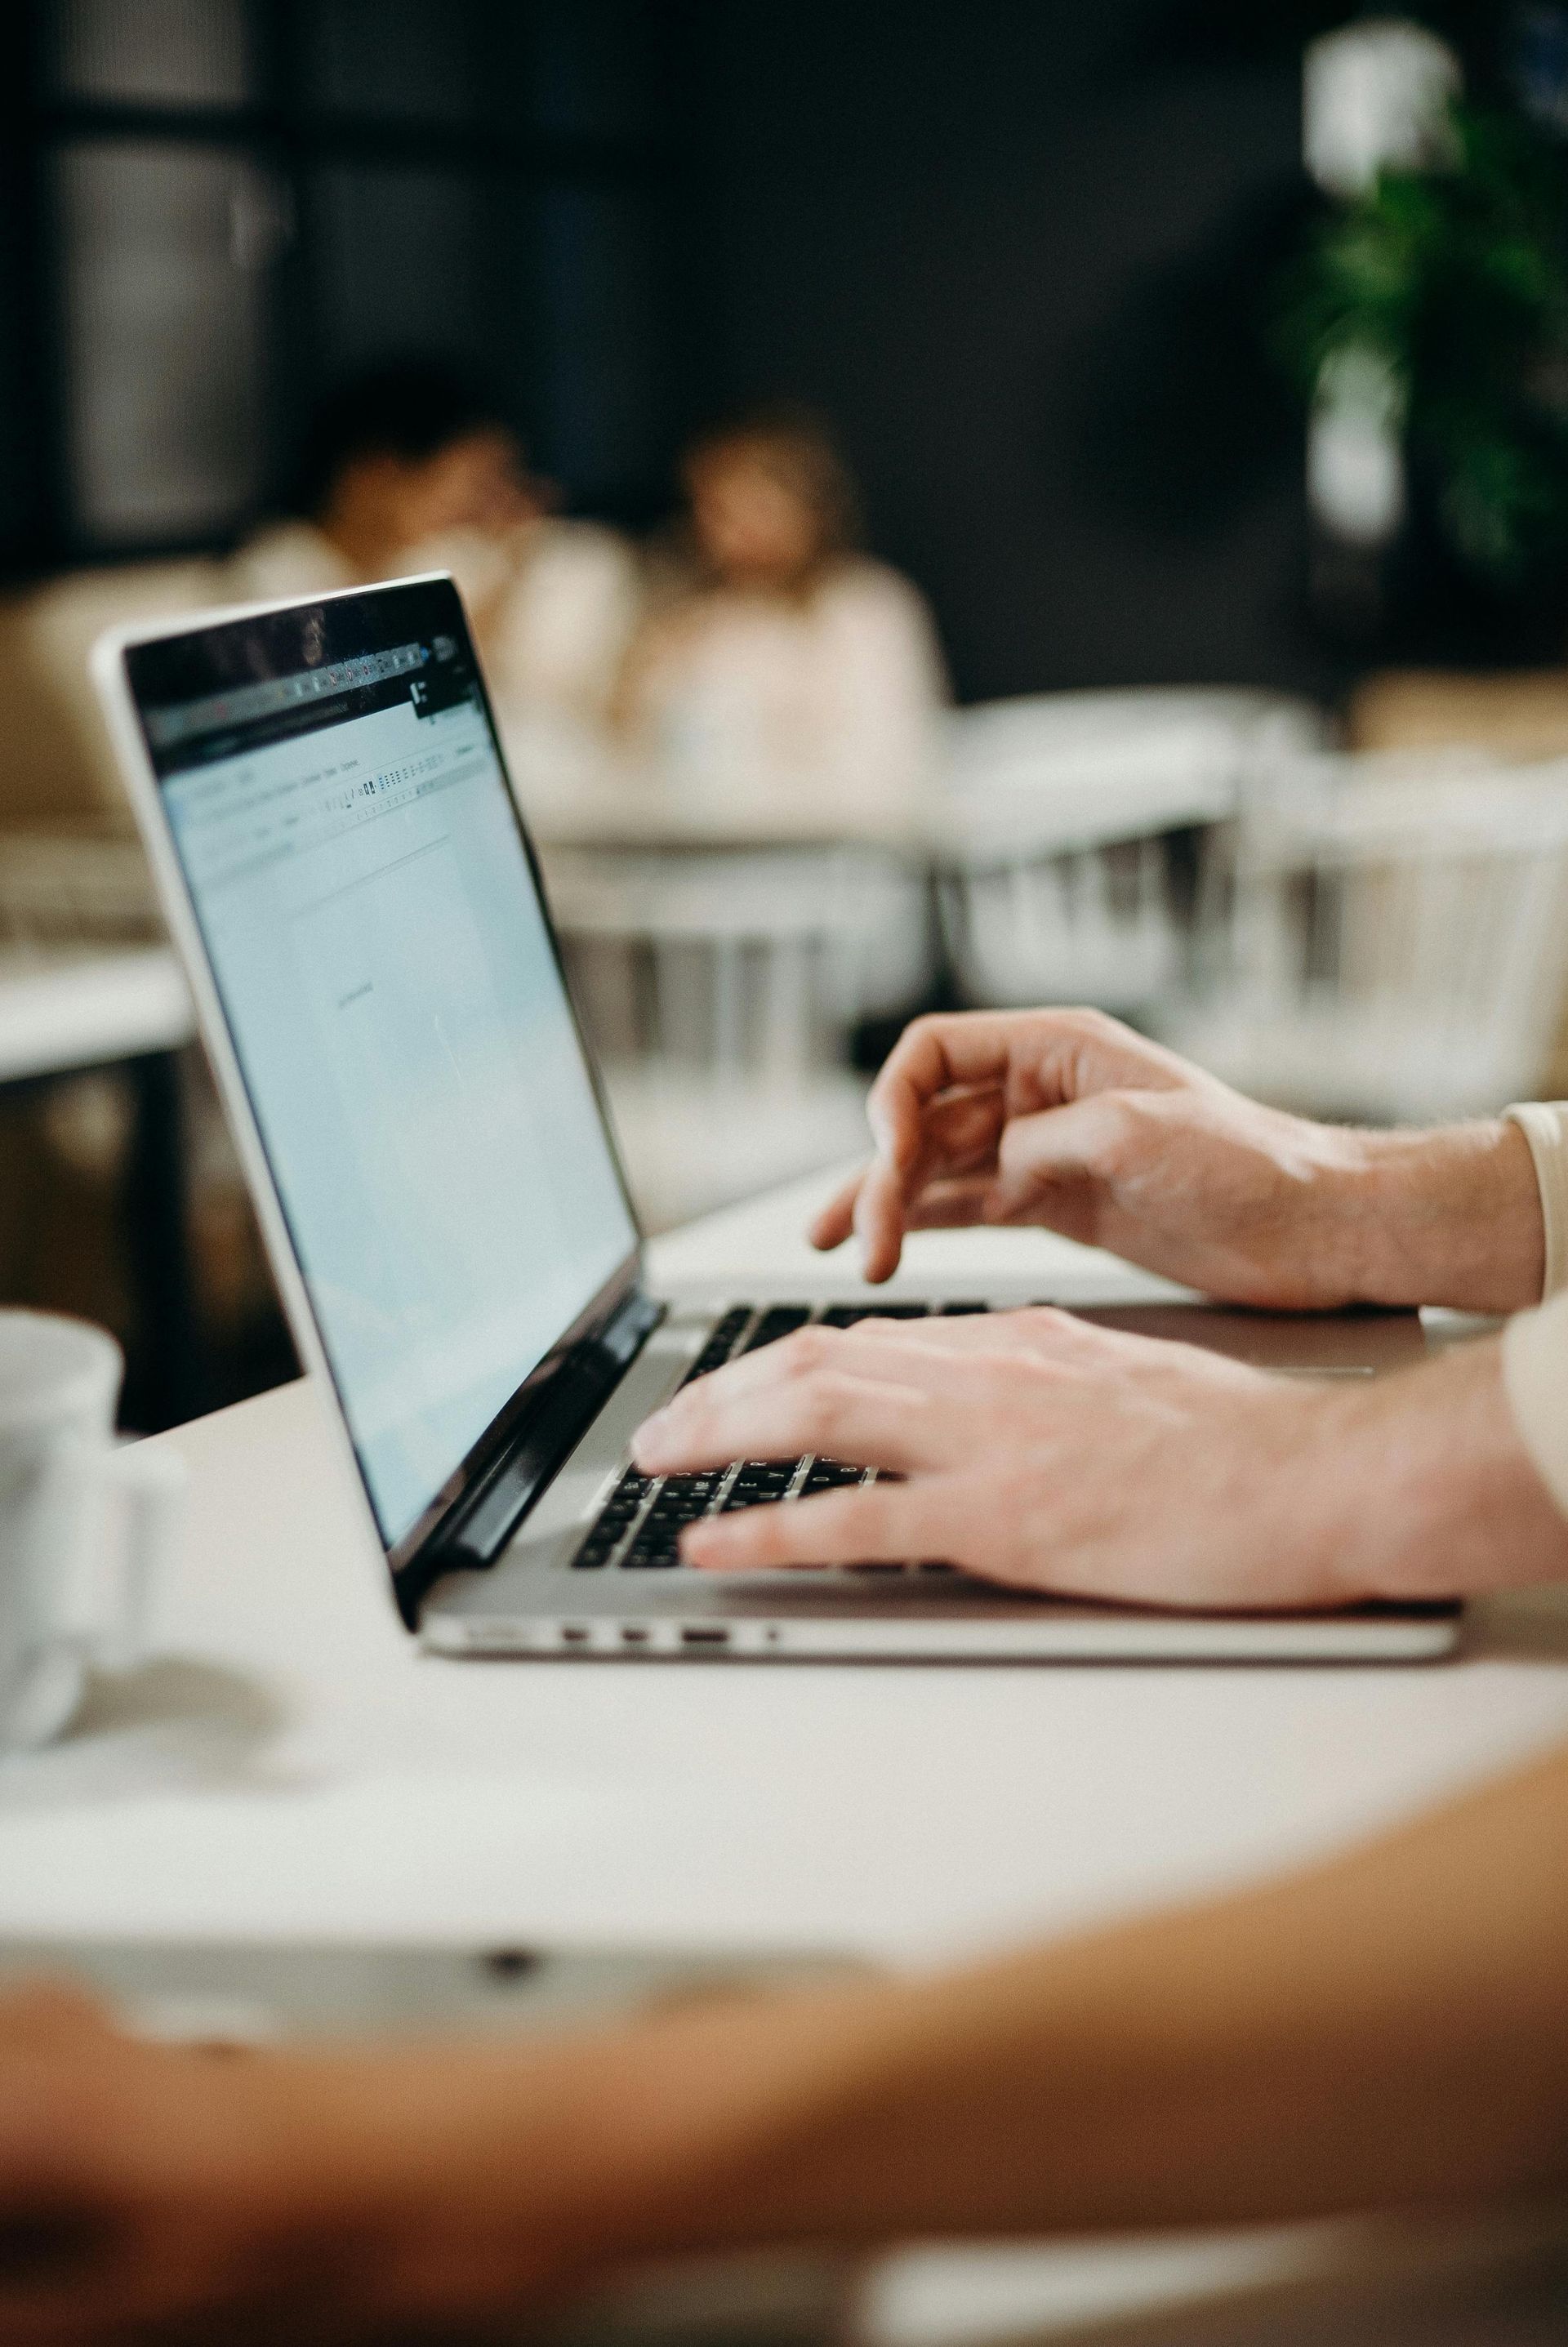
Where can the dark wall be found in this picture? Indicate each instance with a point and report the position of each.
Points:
(1018, 250)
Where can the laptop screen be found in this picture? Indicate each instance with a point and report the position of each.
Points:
(370, 916)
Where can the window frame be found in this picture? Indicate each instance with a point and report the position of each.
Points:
(292, 142)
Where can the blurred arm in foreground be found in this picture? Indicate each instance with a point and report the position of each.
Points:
(1387, 2030)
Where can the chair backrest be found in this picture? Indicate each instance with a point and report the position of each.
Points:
(1092, 925)
(1058, 885)
(738, 962)
(1425, 920)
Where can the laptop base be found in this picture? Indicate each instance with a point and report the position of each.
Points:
(534, 1603)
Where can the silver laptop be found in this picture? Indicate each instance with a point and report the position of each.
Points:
(324, 799)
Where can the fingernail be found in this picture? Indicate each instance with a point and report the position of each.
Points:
(881, 1132)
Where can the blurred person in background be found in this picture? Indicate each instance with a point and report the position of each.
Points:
(776, 661)
(403, 458)
(406, 468)
(410, 467)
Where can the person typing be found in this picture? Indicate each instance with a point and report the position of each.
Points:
(1039, 1450)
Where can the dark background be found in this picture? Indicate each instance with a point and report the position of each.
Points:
(1018, 251)
(1021, 254)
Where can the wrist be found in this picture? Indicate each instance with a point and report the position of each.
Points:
(1449, 1217)
(1420, 1487)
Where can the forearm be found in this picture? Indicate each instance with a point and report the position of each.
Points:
(1390, 2030)
(1450, 1217)
(1067, 1119)
(1419, 1486)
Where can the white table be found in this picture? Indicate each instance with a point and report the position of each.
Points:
(295, 1767)
(65, 1010)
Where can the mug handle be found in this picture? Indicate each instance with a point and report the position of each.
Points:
(105, 1612)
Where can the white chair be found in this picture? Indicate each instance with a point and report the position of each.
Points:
(1058, 879)
(1398, 945)
(718, 988)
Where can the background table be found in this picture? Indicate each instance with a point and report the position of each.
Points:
(295, 1766)
(63, 1012)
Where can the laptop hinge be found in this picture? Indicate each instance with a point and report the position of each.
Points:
(480, 1527)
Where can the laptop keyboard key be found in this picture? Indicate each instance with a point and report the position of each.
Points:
(721, 1342)
(781, 1321)
(847, 1316)
(760, 1480)
(614, 1521)
(653, 1552)
(682, 1500)
(829, 1475)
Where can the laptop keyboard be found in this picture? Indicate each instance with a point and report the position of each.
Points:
(639, 1526)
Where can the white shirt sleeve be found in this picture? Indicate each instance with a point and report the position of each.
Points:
(1545, 1124)
(556, 637)
(1535, 1345)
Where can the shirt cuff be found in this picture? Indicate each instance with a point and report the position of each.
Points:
(1545, 1124)
(1535, 1379)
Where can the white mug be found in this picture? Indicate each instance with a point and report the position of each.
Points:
(73, 1583)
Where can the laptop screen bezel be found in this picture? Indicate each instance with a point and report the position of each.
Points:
(238, 648)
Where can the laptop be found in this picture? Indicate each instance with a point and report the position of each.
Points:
(325, 803)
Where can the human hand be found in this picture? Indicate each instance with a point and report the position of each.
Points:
(148, 2190)
(172, 2193)
(1035, 1449)
(1067, 1120)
